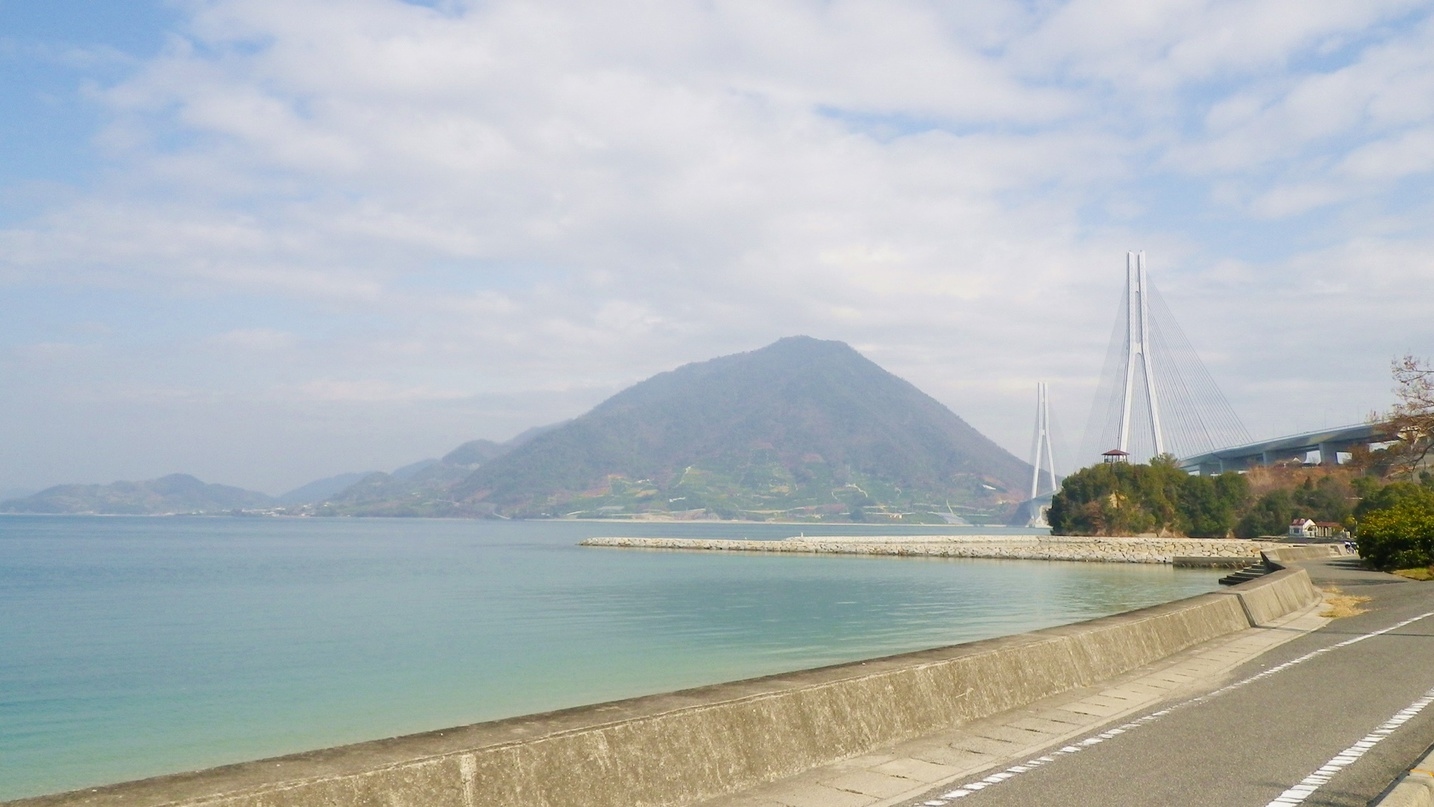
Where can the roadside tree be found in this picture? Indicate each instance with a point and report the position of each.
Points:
(1400, 536)
(1210, 505)
(1412, 418)
(1387, 496)
(1329, 499)
(1270, 515)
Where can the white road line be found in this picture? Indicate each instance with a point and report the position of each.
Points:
(972, 788)
(1309, 785)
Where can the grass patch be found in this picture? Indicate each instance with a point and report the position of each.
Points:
(1339, 605)
(1420, 573)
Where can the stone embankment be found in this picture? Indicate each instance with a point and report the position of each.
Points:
(1017, 547)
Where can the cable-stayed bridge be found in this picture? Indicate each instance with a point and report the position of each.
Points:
(1156, 397)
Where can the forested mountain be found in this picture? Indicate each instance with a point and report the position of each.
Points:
(801, 428)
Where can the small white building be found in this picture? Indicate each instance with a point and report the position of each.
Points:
(1307, 528)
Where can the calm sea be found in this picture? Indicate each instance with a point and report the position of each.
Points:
(131, 647)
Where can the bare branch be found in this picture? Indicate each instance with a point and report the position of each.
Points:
(1411, 418)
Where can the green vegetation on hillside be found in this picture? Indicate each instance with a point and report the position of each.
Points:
(1328, 499)
(1128, 499)
(1394, 521)
(801, 429)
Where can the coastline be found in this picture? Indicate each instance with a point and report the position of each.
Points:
(756, 730)
(998, 547)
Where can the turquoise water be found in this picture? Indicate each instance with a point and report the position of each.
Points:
(131, 647)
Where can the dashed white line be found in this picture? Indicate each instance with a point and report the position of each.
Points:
(1309, 785)
(996, 778)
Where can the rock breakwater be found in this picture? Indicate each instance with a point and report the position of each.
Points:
(1033, 547)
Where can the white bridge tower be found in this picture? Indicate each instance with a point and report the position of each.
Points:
(1138, 351)
(1041, 452)
(1155, 395)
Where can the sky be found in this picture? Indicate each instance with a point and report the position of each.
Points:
(267, 241)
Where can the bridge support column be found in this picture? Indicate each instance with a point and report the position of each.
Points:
(1328, 454)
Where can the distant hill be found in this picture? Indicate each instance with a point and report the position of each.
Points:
(413, 469)
(420, 489)
(320, 489)
(176, 493)
(474, 453)
(802, 428)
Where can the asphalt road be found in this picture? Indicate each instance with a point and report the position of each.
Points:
(1346, 698)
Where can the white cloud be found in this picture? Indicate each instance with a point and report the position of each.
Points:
(1160, 46)
(53, 353)
(331, 390)
(262, 340)
(1290, 200)
(387, 205)
(1302, 140)
(1406, 154)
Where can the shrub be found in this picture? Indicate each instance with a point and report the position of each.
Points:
(1400, 536)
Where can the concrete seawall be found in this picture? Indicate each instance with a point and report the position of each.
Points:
(683, 747)
(1283, 592)
(1282, 553)
(1273, 596)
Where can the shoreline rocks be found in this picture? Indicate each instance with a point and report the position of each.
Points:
(1032, 547)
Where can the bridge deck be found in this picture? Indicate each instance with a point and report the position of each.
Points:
(1326, 441)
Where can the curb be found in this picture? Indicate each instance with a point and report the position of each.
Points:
(1414, 789)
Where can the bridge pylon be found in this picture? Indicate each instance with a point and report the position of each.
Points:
(1155, 395)
(1138, 350)
(1041, 452)
(1042, 456)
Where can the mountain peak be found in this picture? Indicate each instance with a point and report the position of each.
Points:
(808, 343)
(801, 428)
